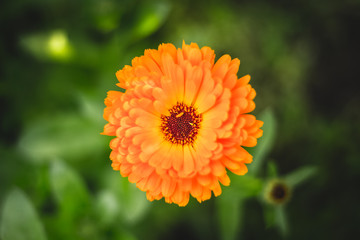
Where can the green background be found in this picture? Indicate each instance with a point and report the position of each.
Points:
(59, 58)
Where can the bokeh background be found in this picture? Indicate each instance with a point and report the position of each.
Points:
(58, 59)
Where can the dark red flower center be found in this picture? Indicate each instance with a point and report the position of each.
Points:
(182, 126)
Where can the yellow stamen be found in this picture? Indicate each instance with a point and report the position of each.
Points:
(180, 114)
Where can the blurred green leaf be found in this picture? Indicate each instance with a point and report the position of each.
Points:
(230, 203)
(35, 44)
(132, 202)
(48, 45)
(300, 175)
(67, 136)
(230, 211)
(58, 46)
(244, 186)
(91, 107)
(19, 219)
(152, 15)
(106, 14)
(269, 215)
(107, 207)
(265, 143)
(85, 228)
(272, 171)
(125, 235)
(69, 190)
(280, 220)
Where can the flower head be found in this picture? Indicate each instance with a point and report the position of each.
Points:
(277, 192)
(181, 123)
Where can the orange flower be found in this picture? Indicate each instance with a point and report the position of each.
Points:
(181, 123)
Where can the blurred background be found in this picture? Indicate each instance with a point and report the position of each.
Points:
(58, 59)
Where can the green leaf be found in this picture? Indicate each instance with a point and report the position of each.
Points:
(230, 211)
(107, 207)
(126, 235)
(107, 14)
(230, 203)
(19, 219)
(67, 136)
(272, 171)
(281, 221)
(265, 143)
(48, 45)
(151, 16)
(269, 215)
(132, 201)
(91, 107)
(245, 186)
(35, 45)
(300, 175)
(69, 190)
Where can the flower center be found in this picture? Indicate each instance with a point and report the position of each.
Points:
(279, 192)
(182, 126)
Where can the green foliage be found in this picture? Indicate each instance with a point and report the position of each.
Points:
(53, 45)
(265, 143)
(19, 220)
(230, 203)
(69, 190)
(230, 214)
(300, 175)
(281, 221)
(272, 171)
(66, 136)
(131, 201)
(107, 14)
(73, 201)
(245, 186)
(150, 17)
(107, 208)
(269, 216)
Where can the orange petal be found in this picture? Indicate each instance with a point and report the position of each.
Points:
(168, 187)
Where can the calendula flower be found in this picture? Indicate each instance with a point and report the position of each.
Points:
(181, 123)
